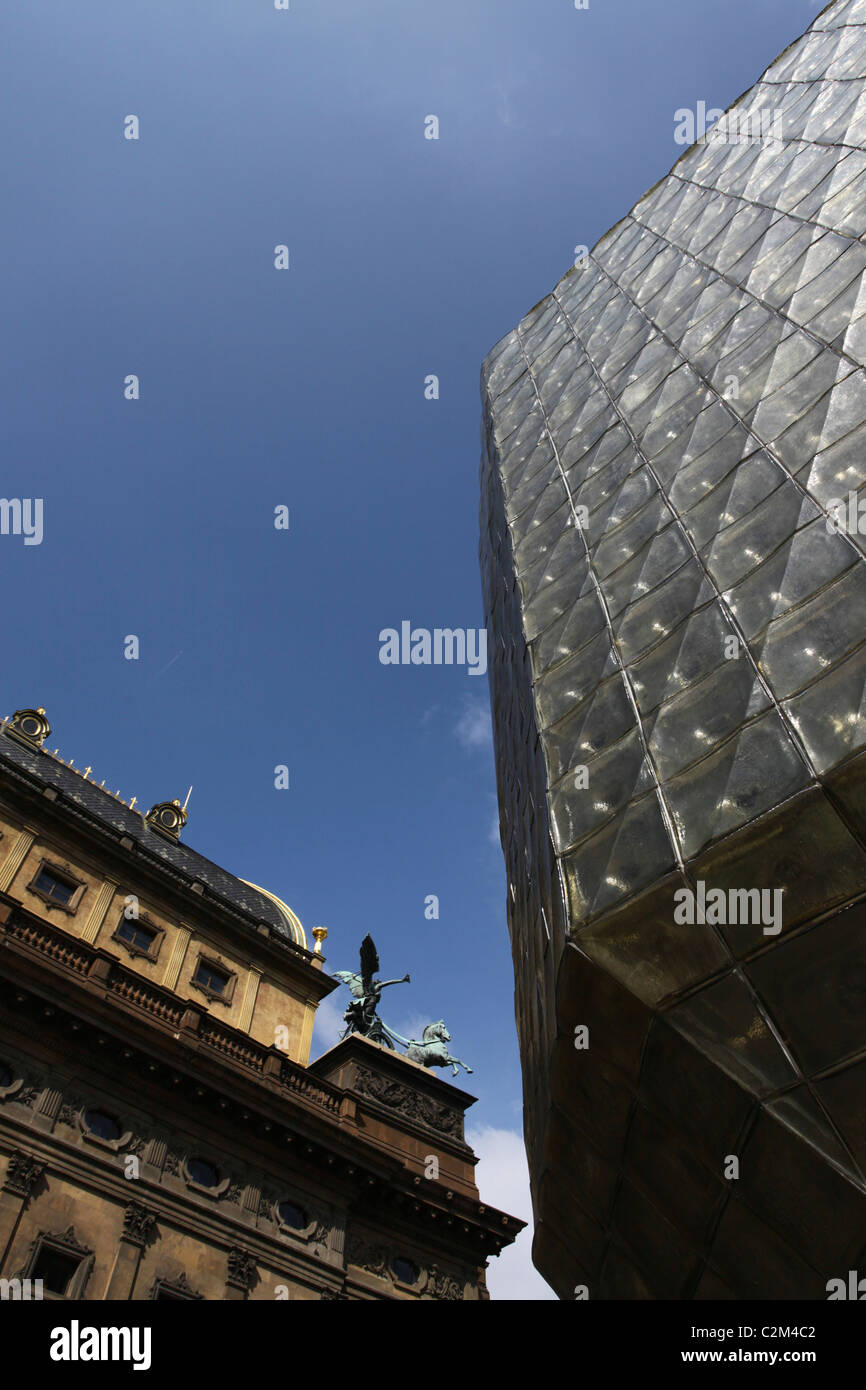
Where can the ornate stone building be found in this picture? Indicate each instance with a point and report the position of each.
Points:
(672, 549)
(162, 1133)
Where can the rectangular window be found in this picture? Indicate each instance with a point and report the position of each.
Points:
(135, 934)
(56, 1269)
(58, 889)
(210, 978)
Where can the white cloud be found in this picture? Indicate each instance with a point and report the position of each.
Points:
(328, 1025)
(474, 729)
(503, 1180)
(411, 1025)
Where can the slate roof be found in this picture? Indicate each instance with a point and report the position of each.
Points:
(101, 806)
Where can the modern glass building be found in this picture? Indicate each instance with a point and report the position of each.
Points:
(673, 473)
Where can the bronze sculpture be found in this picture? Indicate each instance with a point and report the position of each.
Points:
(361, 1015)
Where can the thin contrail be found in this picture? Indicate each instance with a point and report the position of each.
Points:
(165, 668)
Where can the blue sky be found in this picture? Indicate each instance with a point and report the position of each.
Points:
(305, 388)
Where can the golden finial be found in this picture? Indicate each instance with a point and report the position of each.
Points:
(132, 802)
(319, 935)
(87, 772)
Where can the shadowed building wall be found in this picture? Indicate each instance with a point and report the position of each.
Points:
(161, 1134)
(677, 612)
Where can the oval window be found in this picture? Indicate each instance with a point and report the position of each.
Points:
(292, 1215)
(202, 1172)
(100, 1124)
(405, 1271)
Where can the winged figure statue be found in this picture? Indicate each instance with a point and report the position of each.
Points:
(361, 1015)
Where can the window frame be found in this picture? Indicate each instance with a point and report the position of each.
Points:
(62, 873)
(304, 1233)
(178, 1289)
(149, 953)
(213, 963)
(64, 1243)
(398, 1279)
(220, 1188)
(113, 1145)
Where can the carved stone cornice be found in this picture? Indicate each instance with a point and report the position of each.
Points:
(376, 1259)
(179, 1288)
(369, 1255)
(22, 1173)
(441, 1285)
(408, 1102)
(66, 1240)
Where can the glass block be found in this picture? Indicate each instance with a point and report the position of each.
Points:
(617, 861)
(726, 1022)
(802, 645)
(827, 966)
(795, 571)
(690, 725)
(830, 716)
(755, 769)
(581, 802)
(651, 619)
(694, 649)
(749, 542)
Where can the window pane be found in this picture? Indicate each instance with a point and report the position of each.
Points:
(211, 979)
(54, 887)
(55, 1268)
(101, 1124)
(293, 1216)
(136, 934)
(202, 1172)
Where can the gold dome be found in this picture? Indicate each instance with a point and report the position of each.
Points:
(293, 922)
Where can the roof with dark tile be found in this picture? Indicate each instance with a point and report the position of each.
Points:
(41, 766)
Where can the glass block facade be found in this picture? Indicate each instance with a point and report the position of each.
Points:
(674, 453)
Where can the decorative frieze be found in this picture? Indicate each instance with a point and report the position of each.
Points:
(409, 1102)
(22, 1173)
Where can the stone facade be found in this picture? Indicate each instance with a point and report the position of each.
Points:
(155, 1141)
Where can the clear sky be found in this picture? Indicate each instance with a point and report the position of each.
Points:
(305, 388)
